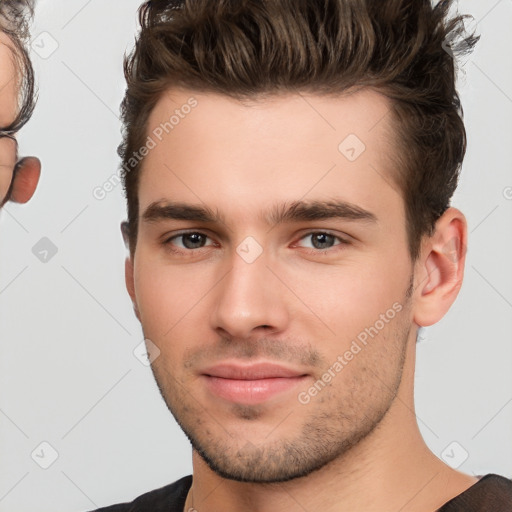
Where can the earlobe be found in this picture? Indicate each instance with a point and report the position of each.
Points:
(440, 268)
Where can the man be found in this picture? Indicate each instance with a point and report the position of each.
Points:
(288, 167)
(18, 178)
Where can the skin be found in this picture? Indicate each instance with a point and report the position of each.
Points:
(18, 179)
(356, 444)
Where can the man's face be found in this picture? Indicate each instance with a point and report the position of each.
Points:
(281, 330)
(21, 186)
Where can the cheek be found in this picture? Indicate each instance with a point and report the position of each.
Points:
(8, 97)
(167, 295)
(353, 296)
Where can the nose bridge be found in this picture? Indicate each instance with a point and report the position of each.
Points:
(249, 296)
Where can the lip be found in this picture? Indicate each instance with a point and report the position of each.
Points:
(253, 371)
(250, 384)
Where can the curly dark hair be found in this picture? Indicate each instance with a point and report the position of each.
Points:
(405, 49)
(15, 16)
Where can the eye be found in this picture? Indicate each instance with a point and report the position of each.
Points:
(317, 241)
(321, 240)
(188, 241)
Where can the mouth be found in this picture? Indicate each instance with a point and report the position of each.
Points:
(251, 384)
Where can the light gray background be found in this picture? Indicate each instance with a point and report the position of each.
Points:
(68, 375)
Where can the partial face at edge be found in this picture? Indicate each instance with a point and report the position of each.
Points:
(9, 90)
(324, 298)
(28, 171)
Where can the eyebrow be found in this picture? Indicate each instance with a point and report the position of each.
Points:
(295, 211)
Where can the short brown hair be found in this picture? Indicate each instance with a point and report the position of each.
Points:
(253, 48)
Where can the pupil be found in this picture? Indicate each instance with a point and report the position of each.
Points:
(320, 240)
(192, 240)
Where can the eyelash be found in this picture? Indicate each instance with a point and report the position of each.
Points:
(342, 242)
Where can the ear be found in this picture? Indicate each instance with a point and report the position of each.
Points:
(440, 268)
(25, 179)
(130, 285)
(128, 272)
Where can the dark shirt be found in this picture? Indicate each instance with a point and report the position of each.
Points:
(492, 493)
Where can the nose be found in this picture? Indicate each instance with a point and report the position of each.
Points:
(249, 299)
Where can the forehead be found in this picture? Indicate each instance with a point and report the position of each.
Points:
(363, 113)
(281, 148)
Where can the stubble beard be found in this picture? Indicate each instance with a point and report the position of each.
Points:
(327, 433)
